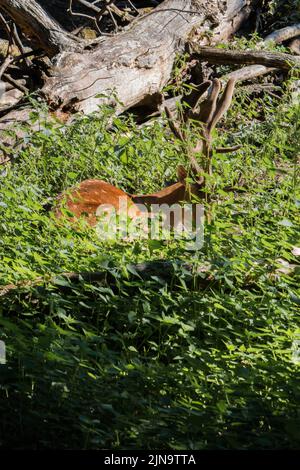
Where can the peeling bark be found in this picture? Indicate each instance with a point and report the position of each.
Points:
(137, 63)
(129, 68)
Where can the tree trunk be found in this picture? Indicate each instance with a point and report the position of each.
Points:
(137, 63)
(131, 67)
(38, 24)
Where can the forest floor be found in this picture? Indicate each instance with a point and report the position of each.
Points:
(154, 363)
(205, 358)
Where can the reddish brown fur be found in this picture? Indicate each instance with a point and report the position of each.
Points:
(84, 200)
(89, 195)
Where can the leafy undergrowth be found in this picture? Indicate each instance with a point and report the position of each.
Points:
(150, 364)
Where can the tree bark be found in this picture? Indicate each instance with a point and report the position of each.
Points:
(38, 24)
(284, 34)
(137, 63)
(131, 67)
(214, 55)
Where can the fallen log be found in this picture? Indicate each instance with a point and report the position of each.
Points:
(136, 63)
(125, 69)
(36, 23)
(284, 34)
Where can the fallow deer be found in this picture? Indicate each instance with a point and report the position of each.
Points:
(91, 194)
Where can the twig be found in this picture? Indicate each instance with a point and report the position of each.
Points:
(70, 9)
(89, 5)
(36, 52)
(15, 83)
(20, 46)
(6, 27)
(94, 19)
(132, 6)
(113, 19)
(8, 60)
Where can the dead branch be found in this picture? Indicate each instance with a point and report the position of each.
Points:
(108, 8)
(83, 15)
(284, 34)
(20, 46)
(214, 55)
(9, 59)
(253, 71)
(123, 70)
(126, 64)
(15, 83)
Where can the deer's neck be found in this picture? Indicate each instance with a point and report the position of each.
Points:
(170, 195)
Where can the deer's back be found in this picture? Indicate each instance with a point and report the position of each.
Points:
(89, 195)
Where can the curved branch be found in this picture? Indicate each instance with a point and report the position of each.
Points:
(38, 24)
(284, 34)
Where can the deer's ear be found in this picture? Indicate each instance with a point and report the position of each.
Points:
(181, 174)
